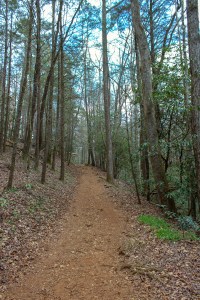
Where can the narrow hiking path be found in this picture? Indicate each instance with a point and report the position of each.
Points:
(82, 262)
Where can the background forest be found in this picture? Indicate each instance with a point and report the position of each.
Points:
(115, 84)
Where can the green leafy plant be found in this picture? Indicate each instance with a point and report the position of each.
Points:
(187, 223)
(16, 214)
(28, 186)
(3, 202)
(36, 205)
(13, 190)
(168, 214)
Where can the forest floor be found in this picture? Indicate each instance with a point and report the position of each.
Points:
(88, 244)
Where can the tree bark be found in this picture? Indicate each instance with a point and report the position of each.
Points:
(35, 99)
(4, 73)
(62, 106)
(51, 92)
(87, 112)
(57, 133)
(130, 152)
(7, 111)
(106, 95)
(194, 54)
(37, 86)
(149, 110)
(144, 156)
(21, 98)
(62, 114)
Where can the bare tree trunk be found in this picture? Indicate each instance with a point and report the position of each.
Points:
(144, 157)
(194, 54)
(144, 164)
(49, 104)
(50, 152)
(119, 102)
(152, 52)
(50, 116)
(130, 152)
(183, 49)
(62, 107)
(149, 110)
(106, 94)
(62, 117)
(56, 138)
(7, 112)
(37, 87)
(87, 112)
(35, 99)
(21, 98)
(3, 92)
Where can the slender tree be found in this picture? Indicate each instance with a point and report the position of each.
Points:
(194, 54)
(106, 95)
(37, 87)
(130, 152)
(4, 73)
(35, 99)
(21, 96)
(62, 108)
(8, 96)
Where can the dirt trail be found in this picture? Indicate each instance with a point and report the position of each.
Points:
(82, 262)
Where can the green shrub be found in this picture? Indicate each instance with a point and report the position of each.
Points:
(186, 222)
(3, 202)
(28, 186)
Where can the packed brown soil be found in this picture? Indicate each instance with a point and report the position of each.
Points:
(82, 261)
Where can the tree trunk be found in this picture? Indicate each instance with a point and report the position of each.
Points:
(62, 118)
(53, 41)
(35, 101)
(21, 98)
(144, 156)
(4, 73)
(144, 164)
(62, 109)
(194, 54)
(130, 152)
(50, 98)
(106, 95)
(7, 112)
(87, 112)
(183, 55)
(57, 133)
(149, 110)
